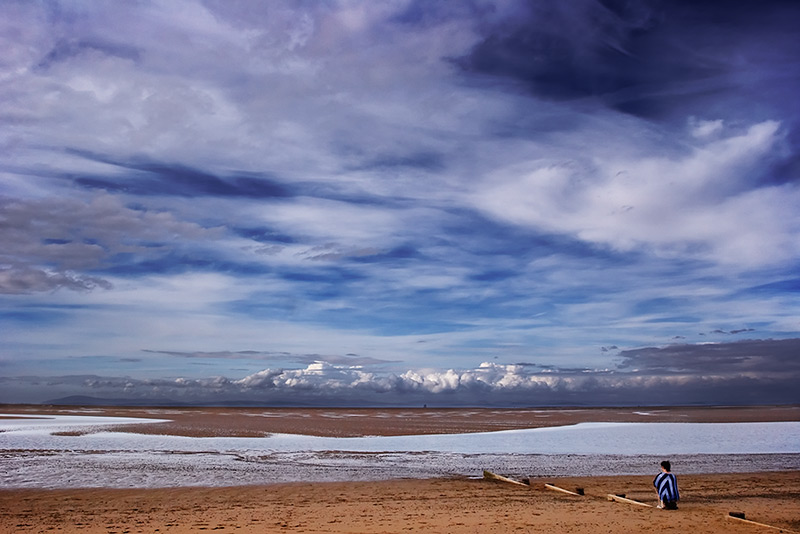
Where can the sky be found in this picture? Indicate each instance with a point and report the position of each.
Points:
(405, 202)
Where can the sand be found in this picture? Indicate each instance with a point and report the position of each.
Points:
(447, 506)
(439, 505)
(255, 422)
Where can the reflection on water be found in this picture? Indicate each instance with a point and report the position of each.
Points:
(33, 457)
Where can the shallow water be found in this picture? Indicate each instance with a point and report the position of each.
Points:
(32, 457)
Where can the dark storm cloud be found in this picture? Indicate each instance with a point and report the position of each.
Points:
(740, 357)
(644, 58)
(565, 50)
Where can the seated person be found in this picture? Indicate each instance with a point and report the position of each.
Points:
(667, 488)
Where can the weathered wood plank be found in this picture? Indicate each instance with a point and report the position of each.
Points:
(617, 498)
(562, 490)
(492, 476)
(756, 523)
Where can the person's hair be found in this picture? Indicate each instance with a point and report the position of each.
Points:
(665, 464)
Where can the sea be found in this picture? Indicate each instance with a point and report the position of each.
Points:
(54, 452)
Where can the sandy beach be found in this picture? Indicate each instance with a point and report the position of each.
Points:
(451, 505)
(446, 506)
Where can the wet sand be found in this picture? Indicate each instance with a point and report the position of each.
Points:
(446, 506)
(349, 422)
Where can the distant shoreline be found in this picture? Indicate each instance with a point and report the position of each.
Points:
(354, 422)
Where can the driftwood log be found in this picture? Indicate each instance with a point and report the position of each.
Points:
(492, 476)
(562, 490)
(739, 516)
(622, 499)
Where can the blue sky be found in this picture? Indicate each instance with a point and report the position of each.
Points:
(404, 202)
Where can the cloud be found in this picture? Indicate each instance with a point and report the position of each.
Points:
(66, 50)
(429, 184)
(161, 179)
(740, 372)
(755, 356)
(650, 59)
(699, 203)
(50, 243)
(569, 50)
(346, 359)
(31, 280)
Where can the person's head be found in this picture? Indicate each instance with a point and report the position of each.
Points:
(666, 466)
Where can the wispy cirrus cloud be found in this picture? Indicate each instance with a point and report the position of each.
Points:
(346, 359)
(406, 184)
